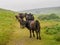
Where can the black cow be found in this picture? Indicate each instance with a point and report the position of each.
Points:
(32, 25)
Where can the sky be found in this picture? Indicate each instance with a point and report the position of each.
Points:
(20, 5)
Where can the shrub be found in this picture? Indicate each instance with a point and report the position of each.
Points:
(53, 29)
(49, 17)
(57, 37)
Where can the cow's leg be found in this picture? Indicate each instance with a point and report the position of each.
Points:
(37, 34)
(30, 34)
(33, 33)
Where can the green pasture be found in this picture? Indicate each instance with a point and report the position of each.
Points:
(12, 34)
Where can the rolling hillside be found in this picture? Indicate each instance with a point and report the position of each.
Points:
(12, 34)
(7, 21)
(44, 10)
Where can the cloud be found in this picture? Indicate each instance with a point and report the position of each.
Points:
(27, 4)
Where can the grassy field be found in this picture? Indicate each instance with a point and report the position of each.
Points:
(12, 34)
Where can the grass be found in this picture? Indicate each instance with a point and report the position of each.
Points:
(12, 34)
(6, 26)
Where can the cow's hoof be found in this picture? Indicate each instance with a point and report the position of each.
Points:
(30, 37)
(37, 37)
(40, 38)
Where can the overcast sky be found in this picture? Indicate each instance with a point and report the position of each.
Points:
(18, 5)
